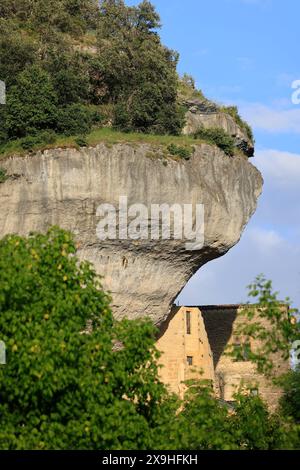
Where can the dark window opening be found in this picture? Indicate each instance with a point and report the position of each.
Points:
(242, 351)
(188, 323)
(189, 360)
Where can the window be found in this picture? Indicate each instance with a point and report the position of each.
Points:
(189, 360)
(242, 351)
(188, 323)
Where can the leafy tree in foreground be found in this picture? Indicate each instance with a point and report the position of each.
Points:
(290, 401)
(77, 379)
(61, 387)
(269, 325)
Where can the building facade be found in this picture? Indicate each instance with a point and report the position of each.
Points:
(186, 353)
(193, 345)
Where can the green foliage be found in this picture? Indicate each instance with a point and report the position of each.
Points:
(138, 72)
(69, 16)
(3, 175)
(38, 140)
(31, 103)
(77, 379)
(255, 428)
(269, 325)
(17, 51)
(187, 89)
(217, 136)
(62, 53)
(64, 388)
(81, 141)
(290, 401)
(233, 112)
(182, 152)
(70, 79)
(205, 423)
(74, 119)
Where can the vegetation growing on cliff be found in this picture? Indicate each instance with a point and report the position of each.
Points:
(77, 379)
(71, 67)
(3, 175)
(62, 59)
(234, 113)
(218, 137)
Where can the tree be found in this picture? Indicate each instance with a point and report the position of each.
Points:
(147, 18)
(66, 384)
(205, 423)
(94, 53)
(255, 428)
(31, 103)
(17, 51)
(74, 119)
(270, 326)
(77, 379)
(138, 71)
(290, 401)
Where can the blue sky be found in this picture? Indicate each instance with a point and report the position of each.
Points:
(245, 52)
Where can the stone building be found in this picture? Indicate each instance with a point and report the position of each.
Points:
(193, 344)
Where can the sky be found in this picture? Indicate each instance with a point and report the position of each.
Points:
(245, 52)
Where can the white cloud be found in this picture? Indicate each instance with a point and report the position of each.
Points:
(265, 240)
(279, 168)
(225, 280)
(270, 244)
(271, 119)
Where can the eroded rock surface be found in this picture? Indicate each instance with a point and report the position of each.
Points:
(204, 113)
(65, 186)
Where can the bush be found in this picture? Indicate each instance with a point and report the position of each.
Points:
(74, 119)
(31, 103)
(205, 423)
(290, 401)
(3, 175)
(71, 81)
(217, 136)
(81, 141)
(182, 152)
(28, 143)
(43, 138)
(121, 118)
(17, 51)
(233, 112)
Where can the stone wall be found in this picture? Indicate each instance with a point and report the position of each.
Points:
(177, 344)
(212, 330)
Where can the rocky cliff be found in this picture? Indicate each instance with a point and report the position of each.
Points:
(205, 113)
(66, 186)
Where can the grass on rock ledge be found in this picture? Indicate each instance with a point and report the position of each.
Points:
(106, 135)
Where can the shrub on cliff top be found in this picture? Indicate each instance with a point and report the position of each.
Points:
(217, 136)
(88, 53)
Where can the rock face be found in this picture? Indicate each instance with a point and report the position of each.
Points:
(207, 114)
(65, 187)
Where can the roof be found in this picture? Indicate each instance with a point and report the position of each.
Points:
(225, 306)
